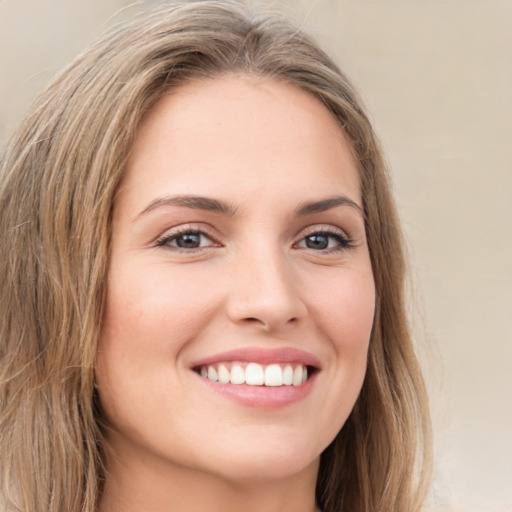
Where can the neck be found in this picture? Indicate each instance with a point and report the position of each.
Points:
(136, 485)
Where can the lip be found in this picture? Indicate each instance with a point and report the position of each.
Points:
(262, 356)
(262, 397)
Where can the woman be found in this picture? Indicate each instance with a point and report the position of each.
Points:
(203, 301)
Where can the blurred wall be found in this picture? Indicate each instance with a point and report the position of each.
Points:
(437, 77)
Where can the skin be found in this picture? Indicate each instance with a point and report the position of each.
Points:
(263, 149)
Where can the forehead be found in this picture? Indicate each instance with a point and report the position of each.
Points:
(210, 135)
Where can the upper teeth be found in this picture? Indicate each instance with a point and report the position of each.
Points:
(254, 374)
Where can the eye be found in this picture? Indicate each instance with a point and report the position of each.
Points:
(324, 241)
(188, 239)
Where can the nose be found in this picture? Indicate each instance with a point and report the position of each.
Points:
(265, 292)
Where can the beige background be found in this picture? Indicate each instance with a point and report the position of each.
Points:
(437, 77)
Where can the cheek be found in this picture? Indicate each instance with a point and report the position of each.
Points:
(346, 314)
(150, 317)
(346, 309)
(155, 308)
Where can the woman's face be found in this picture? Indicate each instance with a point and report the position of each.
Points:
(238, 254)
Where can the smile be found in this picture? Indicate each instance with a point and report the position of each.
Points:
(255, 374)
(266, 378)
(260, 377)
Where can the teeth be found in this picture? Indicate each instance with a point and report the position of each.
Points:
(273, 375)
(224, 376)
(288, 375)
(255, 374)
(237, 375)
(212, 373)
(297, 376)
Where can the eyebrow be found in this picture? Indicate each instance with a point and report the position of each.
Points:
(312, 207)
(217, 206)
(196, 202)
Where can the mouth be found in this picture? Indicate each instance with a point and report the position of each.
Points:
(260, 378)
(251, 373)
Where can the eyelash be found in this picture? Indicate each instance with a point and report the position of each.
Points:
(343, 242)
(341, 238)
(165, 240)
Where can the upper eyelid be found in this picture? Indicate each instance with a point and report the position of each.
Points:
(182, 229)
(323, 228)
(345, 240)
(215, 237)
(340, 235)
(198, 227)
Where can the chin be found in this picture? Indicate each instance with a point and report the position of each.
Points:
(249, 472)
(267, 462)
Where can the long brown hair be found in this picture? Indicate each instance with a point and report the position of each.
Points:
(58, 182)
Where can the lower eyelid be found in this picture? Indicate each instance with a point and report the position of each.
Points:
(167, 239)
(342, 238)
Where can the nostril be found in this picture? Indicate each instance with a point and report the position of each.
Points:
(252, 320)
(255, 320)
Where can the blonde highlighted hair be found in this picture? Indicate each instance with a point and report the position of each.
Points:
(58, 181)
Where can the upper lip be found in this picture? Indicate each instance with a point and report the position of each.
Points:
(262, 356)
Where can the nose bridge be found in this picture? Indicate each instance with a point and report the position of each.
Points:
(264, 290)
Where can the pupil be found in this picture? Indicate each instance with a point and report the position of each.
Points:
(188, 240)
(317, 242)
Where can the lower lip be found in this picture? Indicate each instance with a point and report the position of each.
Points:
(263, 397)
